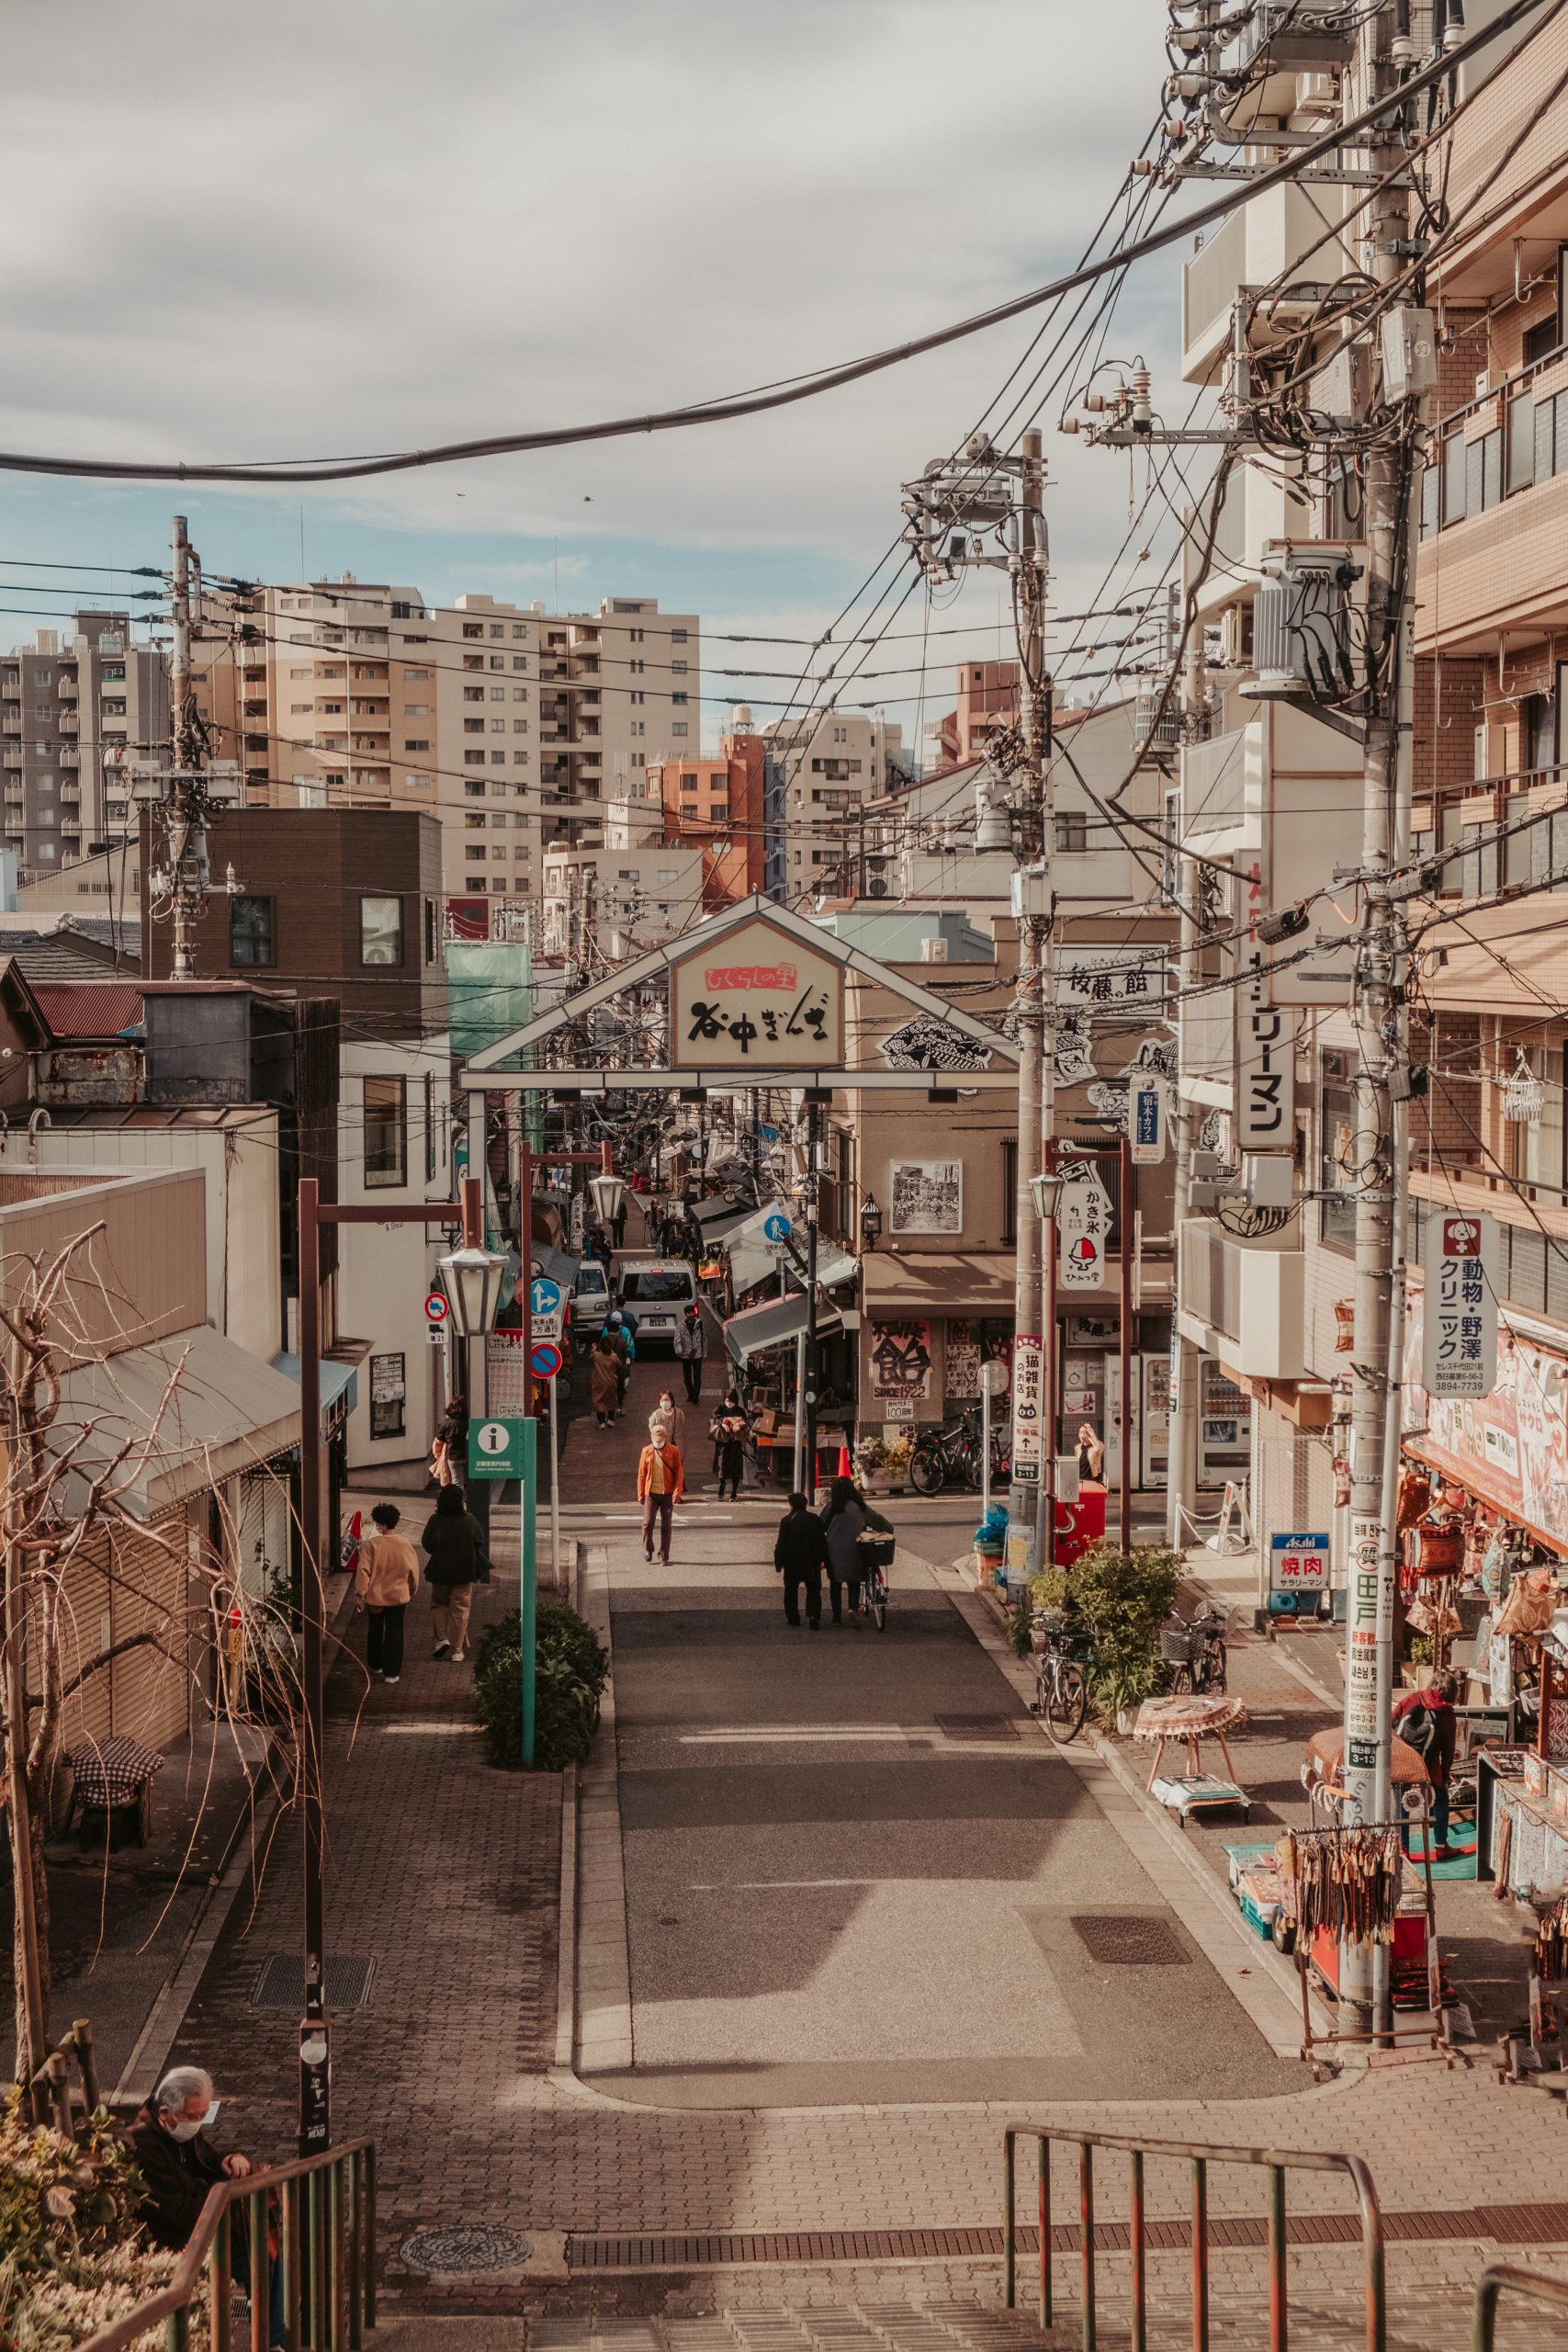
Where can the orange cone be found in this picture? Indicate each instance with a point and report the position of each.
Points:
(844, 1469)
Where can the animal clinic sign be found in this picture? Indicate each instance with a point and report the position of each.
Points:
(756, 999)
(1458, 1317)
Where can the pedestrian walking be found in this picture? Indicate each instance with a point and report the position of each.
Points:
(451, 1437)
(454, 1542)
(385, 1581)
(618, 1224)
(603, 1379)
(597, 1244)
(622, 1346)
(180, 2168)
(660, 1483)
(731, 1428)
(690, 1350)
(800, 1554)
(844, 1521)
(668, 1410)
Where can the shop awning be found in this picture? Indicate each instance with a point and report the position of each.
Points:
(771, 1325)
(947, 1282)
(752, 1257)
(225, 1411)
(339, 1383)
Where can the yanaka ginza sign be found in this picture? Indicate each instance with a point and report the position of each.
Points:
(757, 1000)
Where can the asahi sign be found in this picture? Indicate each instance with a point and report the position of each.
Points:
(1459, 1308)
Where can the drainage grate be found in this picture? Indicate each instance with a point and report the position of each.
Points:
(281, 1984)
(977, 1726)
(465, 2248)
(1130, 1940)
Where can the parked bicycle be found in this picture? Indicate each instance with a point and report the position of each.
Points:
(953, 1456)
(1194, 1649)
(1063, 1649)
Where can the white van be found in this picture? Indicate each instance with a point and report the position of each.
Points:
(589, 1297)
(658, 1291)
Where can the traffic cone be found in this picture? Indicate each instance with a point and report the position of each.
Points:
(844, 1470)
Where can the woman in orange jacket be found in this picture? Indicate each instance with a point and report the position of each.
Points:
(660, 1483)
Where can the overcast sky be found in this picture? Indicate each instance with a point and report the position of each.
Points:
(300, 231)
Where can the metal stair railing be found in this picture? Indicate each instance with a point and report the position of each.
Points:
(326, 2212)
(1540, 2285)
(1275, 2161)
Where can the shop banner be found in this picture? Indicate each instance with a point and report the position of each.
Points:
(1028, 1407)
(963, 1381)
(1509, 1446)
(1083, 1220)
(1297, 1563)
(1264, 1115)
(1459, 1356)
(901, 1358)
(1147, 1124)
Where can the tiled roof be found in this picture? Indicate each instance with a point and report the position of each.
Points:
(97, 1008)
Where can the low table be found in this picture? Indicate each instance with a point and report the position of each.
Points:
(1191, 1720)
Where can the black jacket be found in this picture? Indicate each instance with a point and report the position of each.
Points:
(456, 1548)
(179, 2174)
(800, 1544)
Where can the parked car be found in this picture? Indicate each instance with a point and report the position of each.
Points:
(658, 1291)
(589, 1297)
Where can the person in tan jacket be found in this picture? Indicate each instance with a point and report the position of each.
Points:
(660, 1483)
(385, 1581)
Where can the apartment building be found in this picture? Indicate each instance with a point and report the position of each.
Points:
(75, 705)
(606, 905)
(825, 769)
(717, 807)
(509, 724)
(985, 704)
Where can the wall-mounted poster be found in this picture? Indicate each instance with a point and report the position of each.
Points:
(963, 1359)
(900, 1358)
(928, 1196)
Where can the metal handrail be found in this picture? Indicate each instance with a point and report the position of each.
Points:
(1540, 2284)
(327, 2248)
(1276, 2161)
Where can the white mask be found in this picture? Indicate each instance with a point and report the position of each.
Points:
(186, 2129)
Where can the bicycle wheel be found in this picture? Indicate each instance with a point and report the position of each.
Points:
(1041, 1678)
(971, 1464)
(925, 1470)
(1180, 1681)
(876, 1599)
(1067, 1702)
(1215, 1665)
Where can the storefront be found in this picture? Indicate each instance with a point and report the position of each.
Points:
(929, 1324)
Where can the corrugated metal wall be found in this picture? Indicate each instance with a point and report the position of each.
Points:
(123, 1583)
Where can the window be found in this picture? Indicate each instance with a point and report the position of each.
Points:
(1010, 1192)
(473, 628)
(473, 727)
(388, 1390)
(386, 1131)
(1521, 442)
(677, 635)
(417, 743)
(679, 727)
(414, 673)
(1453, 477)
(681, 699)
(251, 931)
(1072, 833)
(473, 694)
(1339, 1122)
(497, 628)
(1541, 340)
(498, 660)
(380, 931)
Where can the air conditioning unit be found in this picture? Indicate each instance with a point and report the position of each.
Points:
(1300, 632)
(933, 951)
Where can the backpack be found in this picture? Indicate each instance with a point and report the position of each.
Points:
(1418, 1729)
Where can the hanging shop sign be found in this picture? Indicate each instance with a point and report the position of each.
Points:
(927, 1043)
(757, 999)
(1297, 1563)
(1147, 1124)
(1458, 1355)
(1111, 980)
(1083, 1221)
(1265, 1116)
(1028, 1407)
(1510, 1446)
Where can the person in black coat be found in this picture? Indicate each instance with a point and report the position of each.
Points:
(181, 2167)
(454, 1541)
(800, 1554)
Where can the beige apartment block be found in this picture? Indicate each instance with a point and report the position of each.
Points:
(76, 706)
(830, 765)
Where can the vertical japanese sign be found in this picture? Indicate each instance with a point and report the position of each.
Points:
(756, 999)
(1459, 1310)
(1265, 1118)
(1148, 1123)
(1083, 1221)
(1028, 1407)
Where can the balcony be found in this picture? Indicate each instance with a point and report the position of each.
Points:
(1272, 236)
(66, 689)
(1494, 510)
(70, 755)
(68, 723)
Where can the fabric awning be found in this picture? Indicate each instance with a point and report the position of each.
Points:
(752, 1257)
(338, 1381)
(226, 1411)
(771, 1325)
(948, 1282)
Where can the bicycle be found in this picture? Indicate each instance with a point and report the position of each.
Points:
(1195, 1652)
(875, 1559)
(942, 1454)
(1062, 1648)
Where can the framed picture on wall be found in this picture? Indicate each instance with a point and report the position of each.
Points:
(926, 1196)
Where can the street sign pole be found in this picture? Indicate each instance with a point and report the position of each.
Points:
(529, 1608)
(555, 1488)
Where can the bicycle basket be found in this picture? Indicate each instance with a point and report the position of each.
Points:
(1177, 1645)
(875, 1550)
(1054, 1623)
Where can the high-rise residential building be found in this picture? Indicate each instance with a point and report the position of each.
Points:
(716, 805)
(511, 725)
(986, 706)
(75, 705)
(827, 767)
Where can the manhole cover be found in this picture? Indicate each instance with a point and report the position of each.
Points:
(1124, 1939)
(978, 1726)
(281, 1984)
(465, 2247)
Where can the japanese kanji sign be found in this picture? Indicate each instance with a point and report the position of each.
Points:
(1083, 1221)
(1028, 1407)
(1110, 979)
(901, 1356)
(757, 999)
(1265, 1116)
(1460, 1306)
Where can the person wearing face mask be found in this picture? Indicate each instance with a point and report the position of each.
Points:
(180, 2168)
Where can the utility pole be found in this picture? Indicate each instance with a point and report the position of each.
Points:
(1181, 1443)
(1039, 897)
(186, 812)
(1392, 499)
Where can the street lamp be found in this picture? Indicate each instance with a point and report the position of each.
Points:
(870, 1223)
(1045, 1192)
(608, 1191)
(473, 1277)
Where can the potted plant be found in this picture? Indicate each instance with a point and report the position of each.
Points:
(872, 1472)
(896, 1466)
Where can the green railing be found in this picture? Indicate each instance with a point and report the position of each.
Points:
(1540, 2285)
(326, 2214)
(1276, 2161)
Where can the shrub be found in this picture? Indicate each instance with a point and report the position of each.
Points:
(1126, 1598)
(72, 2255)
(571, 1669)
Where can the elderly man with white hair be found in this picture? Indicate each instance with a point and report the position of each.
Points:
(181, 2167)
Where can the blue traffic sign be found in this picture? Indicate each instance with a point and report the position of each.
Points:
(545, 1360)
(545, 1297)
(777, 1228)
